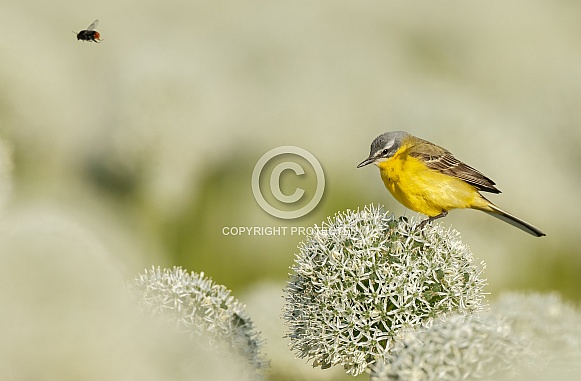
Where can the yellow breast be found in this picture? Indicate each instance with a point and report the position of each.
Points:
(422, 189)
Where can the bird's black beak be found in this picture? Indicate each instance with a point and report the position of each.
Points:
(365, 162)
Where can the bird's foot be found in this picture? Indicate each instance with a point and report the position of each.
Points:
(430, 219)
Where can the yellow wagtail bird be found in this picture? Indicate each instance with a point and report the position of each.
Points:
(428, 179)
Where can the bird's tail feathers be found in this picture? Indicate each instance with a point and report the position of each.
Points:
(495, 211)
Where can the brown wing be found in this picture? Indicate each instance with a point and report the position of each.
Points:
(441, 160)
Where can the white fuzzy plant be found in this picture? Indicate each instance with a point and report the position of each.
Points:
(374, 293)
(522, 337)
(458, 347)
(203, 309)
(363, 277)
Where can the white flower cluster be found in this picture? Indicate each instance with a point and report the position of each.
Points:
(362, 277)
(522, 337)
(459, 347)
(202, 308)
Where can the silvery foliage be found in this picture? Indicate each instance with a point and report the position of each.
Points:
(522, 337)
(362, 277)
(459, 347)
(203, 309)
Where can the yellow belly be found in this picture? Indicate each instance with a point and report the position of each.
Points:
(424, 190)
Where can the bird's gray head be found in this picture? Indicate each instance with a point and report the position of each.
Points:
(383, 147)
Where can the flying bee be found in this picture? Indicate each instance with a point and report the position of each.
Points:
(90, 34)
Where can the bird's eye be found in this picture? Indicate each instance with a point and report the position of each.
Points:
(384, 152)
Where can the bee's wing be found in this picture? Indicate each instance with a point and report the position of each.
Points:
(93, 26)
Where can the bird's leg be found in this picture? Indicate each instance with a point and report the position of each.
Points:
(430, 219)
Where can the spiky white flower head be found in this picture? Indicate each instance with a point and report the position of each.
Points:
(202, 308)
(459, 347)
(522, 337)
(363, 276)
